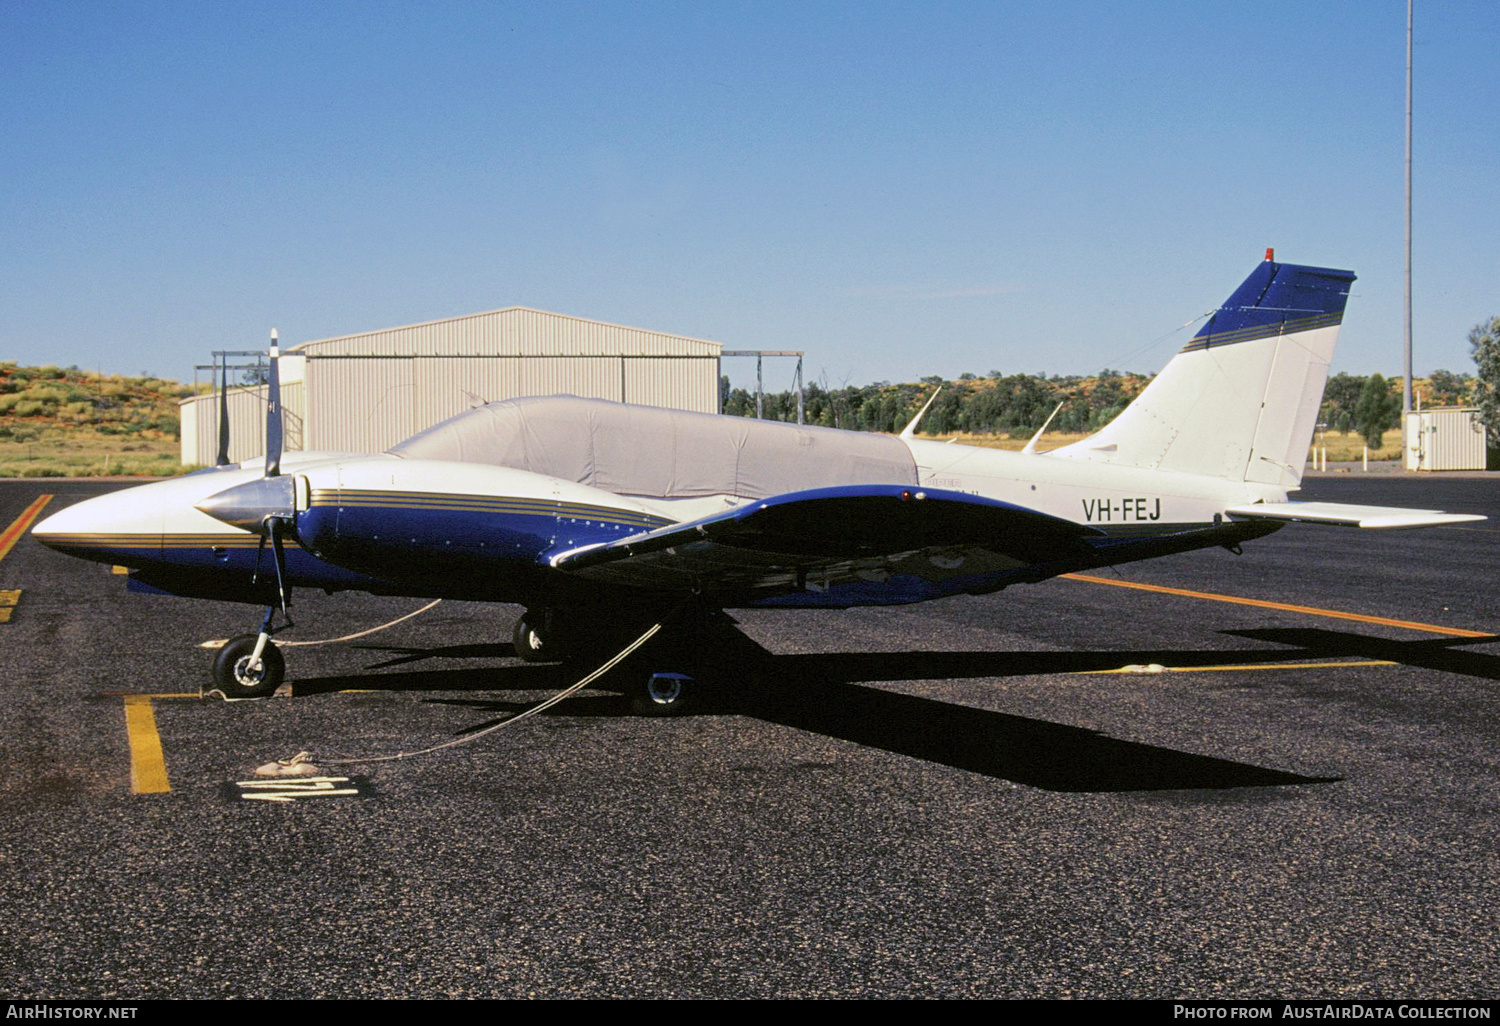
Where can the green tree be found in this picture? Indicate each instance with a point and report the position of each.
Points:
(1447, 388)
(1340, 397)
(1484, 343)
(1376, 410)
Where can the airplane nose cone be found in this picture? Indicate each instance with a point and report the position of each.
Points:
(121, 527)
(48, 530)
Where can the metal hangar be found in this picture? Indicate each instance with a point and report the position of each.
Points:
(368, 391)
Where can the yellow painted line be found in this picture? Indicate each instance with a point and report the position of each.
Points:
(117, 569)
(21, 523)
(148, 768)
(1247, 666)
(1284, 607)
(8, 602)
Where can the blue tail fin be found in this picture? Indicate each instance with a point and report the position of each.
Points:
(1240, 401)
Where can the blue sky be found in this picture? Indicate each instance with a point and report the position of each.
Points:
(899, 189)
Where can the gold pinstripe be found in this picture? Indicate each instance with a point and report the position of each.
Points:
(363, 498)
(151, 541)
(1250, 334)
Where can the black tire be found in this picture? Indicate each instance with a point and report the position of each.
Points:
(233, 676)
(531, 646)
(662, 694)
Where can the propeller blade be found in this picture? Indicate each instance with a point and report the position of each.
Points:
(223, 459)
(273, 412)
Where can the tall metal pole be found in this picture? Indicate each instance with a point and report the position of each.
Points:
(1406, 385)
(758, 389)
(799, 389)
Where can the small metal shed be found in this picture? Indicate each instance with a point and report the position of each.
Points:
(1445, 438)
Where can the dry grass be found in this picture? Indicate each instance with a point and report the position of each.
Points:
(79, 451)
(1349, 447)
(57, 422)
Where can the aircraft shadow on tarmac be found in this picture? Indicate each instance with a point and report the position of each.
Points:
(1428, 654)
(822, 694)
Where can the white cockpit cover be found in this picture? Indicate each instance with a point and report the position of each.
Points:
(646, 451)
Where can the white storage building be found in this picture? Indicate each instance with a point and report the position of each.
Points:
(1445, 438)
(366, 392)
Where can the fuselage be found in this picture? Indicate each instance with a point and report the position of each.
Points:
(500, 502)
(392, 525)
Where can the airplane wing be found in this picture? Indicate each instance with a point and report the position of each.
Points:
(1341, 514)
(830, 535)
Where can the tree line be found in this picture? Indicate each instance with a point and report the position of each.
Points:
(1018, 404)
(996, 404)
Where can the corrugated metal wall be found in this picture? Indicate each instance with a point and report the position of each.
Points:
(360, 405)
(365, 393)
(1445, 439)
(368, 404)
(247, 423)
(674, 384)
(372, 390)
(444, 388)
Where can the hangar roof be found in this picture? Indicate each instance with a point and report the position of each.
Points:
(512, 331)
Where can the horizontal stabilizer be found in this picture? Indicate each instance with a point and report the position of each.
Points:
(1341, 514)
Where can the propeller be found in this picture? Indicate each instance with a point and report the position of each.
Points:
(223, 459)
(266, 506)
(273, 412)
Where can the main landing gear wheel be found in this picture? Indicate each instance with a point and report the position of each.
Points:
(530, 646)
(662, 694)
(236, 677)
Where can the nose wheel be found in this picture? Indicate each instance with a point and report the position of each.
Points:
(240, 671)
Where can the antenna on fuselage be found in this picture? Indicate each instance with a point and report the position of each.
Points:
(1031, 445)
(911, 429)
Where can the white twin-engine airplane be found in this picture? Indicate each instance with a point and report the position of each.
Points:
(597, 516)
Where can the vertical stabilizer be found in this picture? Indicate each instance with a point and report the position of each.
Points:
(1240, 401)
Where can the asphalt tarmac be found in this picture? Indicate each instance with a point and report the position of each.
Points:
(955, 799)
